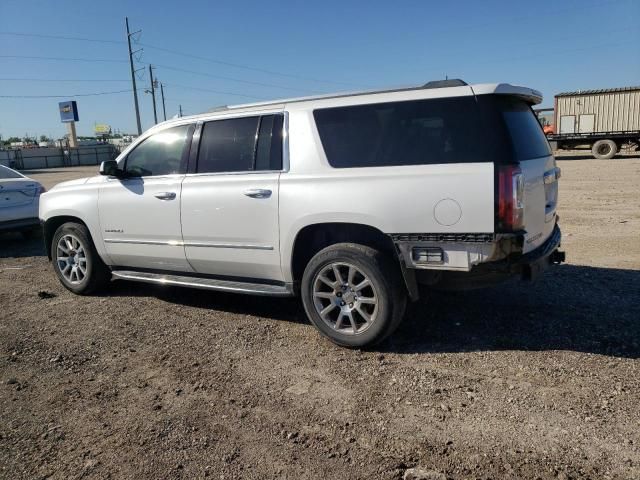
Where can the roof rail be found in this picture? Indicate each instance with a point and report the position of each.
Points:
(454, 82)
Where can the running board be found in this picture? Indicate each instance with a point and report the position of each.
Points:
(205, 283)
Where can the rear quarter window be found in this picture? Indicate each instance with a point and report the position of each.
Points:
(419, 132)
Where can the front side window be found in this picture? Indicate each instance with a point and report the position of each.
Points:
(160, 154)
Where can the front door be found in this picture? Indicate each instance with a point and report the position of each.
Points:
(140, 213)
(230, 202)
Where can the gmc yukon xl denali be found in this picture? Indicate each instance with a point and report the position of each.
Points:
(354, 202)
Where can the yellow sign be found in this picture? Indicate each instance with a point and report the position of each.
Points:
(102, 129)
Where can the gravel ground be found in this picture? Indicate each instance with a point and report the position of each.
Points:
(520, 381)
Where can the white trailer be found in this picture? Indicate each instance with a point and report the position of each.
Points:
(603, 121)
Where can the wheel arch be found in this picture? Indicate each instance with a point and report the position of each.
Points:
(314, 237)
(50, 226)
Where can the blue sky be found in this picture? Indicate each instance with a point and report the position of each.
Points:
(296, 48)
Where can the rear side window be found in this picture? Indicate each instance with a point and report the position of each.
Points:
(419, 132)
(228, 145)
(241, 144)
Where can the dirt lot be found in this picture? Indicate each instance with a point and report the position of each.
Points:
(520, 381)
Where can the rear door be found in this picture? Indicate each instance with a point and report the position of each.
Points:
(230, 200)
(532, 153)
(140, 214)
(18, 196)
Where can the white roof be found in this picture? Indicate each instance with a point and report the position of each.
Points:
(530, 95)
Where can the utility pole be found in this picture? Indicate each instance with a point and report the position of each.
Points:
(180, 111)
(133, 76)
(153, 94)
(164, 110)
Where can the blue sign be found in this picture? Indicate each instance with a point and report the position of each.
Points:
(68, 111)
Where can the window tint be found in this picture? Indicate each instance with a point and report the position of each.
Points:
(527, 138)
(8, 173)
(269, 151)
(228, 145)
(403, 133)
(160, 154)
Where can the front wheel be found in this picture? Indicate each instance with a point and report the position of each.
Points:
(76, 261)
(353, 294)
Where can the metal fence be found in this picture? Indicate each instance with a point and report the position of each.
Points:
(27, 159)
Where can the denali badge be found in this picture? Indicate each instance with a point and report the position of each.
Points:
(534, 238)
(114, 230)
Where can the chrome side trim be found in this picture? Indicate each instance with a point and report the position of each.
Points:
(206, 283)
(228, 245)
(180, 243)
(174, 243)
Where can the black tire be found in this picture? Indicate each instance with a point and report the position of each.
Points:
(97, 275)
(387, 288)
(604, 149)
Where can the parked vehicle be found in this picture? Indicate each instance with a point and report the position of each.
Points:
(603, 121)
(19, 199)
(354, 202)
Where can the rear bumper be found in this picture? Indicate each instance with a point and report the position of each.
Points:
(534, 263)
(528, 267)
(20, 224)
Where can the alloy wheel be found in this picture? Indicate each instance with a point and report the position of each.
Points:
(345, 298)
(71, 259)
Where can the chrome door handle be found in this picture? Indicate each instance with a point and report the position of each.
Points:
(165, 195)
(257, 193)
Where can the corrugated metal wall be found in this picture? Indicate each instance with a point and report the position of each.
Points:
(614, 112)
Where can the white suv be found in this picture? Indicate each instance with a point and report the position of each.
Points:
(352, 201)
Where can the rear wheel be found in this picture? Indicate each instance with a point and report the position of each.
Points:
(353, 294)
(76, 261)
(604, 149)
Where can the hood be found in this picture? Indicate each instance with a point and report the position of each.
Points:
(70, 183)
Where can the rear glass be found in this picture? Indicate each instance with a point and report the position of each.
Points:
(446, 130)
(8, 173)
(527, 137)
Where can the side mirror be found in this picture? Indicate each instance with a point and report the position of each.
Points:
(110, 168)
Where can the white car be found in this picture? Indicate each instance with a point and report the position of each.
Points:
(354, 202)
(19, 198)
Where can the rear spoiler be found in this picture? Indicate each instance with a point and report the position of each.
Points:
(529, 95)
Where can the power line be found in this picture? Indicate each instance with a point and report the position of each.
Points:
(61, 80)
(60, 37)
(220, 77)
(70, 59)
(211, 91)
(182, 54)
(66, 96)
(245, 67)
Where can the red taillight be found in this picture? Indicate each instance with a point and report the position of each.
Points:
(510, 199)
